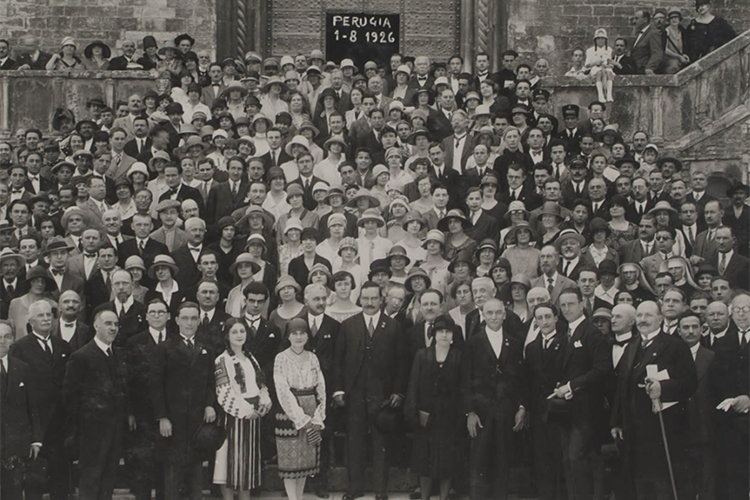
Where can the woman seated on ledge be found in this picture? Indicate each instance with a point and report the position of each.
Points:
(66, 59)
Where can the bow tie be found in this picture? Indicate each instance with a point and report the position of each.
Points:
(58, 272)
(69, 325)
(90, 255)
(17, 191)
(173, 191)
(252, 320)
(33, 178)
(194, 249)
(623, 343)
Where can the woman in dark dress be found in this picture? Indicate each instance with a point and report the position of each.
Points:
(433, 408)
(707, 32)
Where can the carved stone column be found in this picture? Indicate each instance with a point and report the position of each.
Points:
(657, 116)
(466, 36)
(5, 107)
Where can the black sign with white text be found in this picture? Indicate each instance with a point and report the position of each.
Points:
(362, 37)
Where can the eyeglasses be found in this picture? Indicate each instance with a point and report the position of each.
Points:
(743, 309)
(663, 238)
(157, 313)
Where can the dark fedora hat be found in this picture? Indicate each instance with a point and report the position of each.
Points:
(389, 420)
(207, 439)
(738, 187)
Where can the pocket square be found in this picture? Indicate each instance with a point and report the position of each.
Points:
(20, 385)
(272, 336)
(203, 351)
(577, 344)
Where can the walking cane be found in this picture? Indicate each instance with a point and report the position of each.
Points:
(657, 409)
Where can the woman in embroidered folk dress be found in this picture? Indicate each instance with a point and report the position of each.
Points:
(243, 395)
(301, 391)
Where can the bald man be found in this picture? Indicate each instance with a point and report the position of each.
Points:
(47, 355)
(656, 373)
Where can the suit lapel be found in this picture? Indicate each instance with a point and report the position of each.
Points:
(652, 352)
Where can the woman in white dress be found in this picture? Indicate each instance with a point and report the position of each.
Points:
(242, 393)
(599, 60)
(301, 390)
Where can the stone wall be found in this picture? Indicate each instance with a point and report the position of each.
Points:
(552, 28)
(109, 20)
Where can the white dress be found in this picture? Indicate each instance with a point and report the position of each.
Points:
(596, 55)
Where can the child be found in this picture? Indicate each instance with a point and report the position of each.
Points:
(599, 60)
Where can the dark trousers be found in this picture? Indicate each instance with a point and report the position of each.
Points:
(547, 459)
(11, 483)
(145, 473)
(100, 449)
(191, 475)
(732, 453)
(58, 464)
(360, 417)
(702, 475)
(577, 441)
(490, 462)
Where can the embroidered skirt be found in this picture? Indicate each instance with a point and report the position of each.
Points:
(296, 457)
(238, 463)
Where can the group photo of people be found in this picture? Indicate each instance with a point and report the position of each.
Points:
(339, 272)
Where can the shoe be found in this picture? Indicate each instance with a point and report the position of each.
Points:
(381, 497)
(352, 496)
(322, 492)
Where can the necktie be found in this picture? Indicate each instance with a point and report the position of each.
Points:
(723, 263)
(307, 184)
(140, 145)
(118, 159)
(640, 209)
(190, 345)
(548, 341)
(744, 340)
(205, 189)
(314, 327)
(441, 214)
(458, 141)
(596, 207)
(108, 352)
(10, 289)
(371, 328)
(108, 281)
(80, 245)
(141, 247)
(47, 348)
(566, 268)
(711, 234)
(570, 333)
(205, 319)
(90, 255)
(161, 336)
(588, 307)
(273, 158)
(690, 235)
(234, 189)
(481, 173)
(550, 285)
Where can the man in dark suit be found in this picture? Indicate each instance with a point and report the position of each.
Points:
(144, 429)
(543, 366)
(186, 257)
(698, 195)
(728, 261)
(519, 190)
(131, 313)
(446, 177)
(495, 396)
(730, 386)
(421, 78)
(700, 411)
(306, 180)
(68, 327)
(586, 361)
(276, 156)
(370, 372)
(98, 287)
(142, 245)
(636, 250)
(324, 331)
(623, 63)
(12, 284)
(180, 191)
(30, 56)
(126, 60)
(648, 49)
(226, 197)
(5, 60)
(183, 394)
(263, 337)
(139, 147)
(21, 431)
(47, 357)
(211, 329)
(481, 222)
(419, 335)
(95, 396)
(461, 140)
(656, 371)
(599, 206)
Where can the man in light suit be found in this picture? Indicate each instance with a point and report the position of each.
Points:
(135, 110)
(370, 372)
(665, 239)
(648, 49)
(705, 242)
(640, 386)
(121, 160)
(211, 91)
(728, 260)
(550, 279)
(636, 250)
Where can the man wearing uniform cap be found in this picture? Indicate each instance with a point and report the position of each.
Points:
(539, 102)
(571, 134)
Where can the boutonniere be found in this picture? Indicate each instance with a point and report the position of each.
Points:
(63, 355)
(557, 346)
(577, 344)
(203, 351)
(247, 199)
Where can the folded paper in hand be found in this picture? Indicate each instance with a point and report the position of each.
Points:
(653, 372)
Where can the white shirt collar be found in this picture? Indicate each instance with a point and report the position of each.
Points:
(210, 314)
(621, 337)
(155, 334)
(694, 349)
(646, 338)
(317, 319)
(126, 306)
(101, 345)
(574, 324)
(4, 360)
(375, 319)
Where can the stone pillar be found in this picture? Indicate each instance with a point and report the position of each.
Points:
(5, 107)
(657, 116)
(466, 36)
